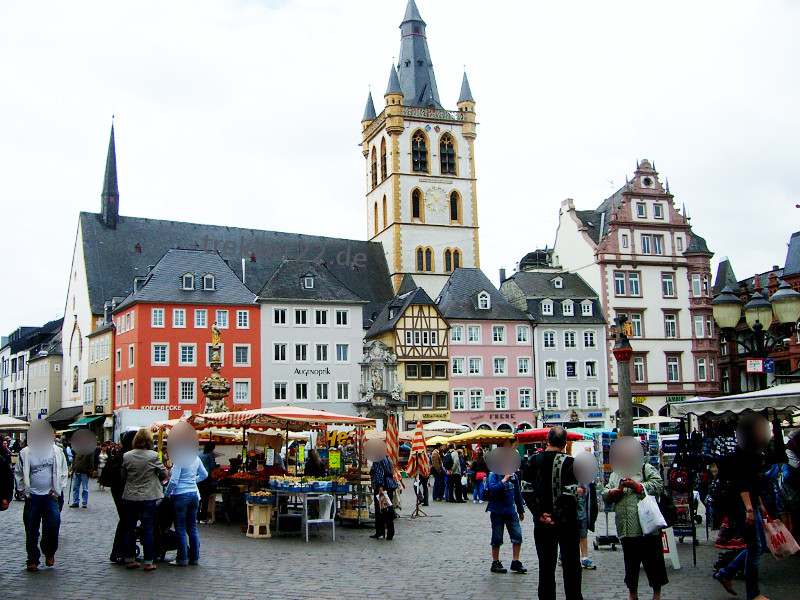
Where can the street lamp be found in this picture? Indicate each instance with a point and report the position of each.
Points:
(784, 305)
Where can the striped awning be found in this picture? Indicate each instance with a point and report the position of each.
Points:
(418, 461)
(294, 418)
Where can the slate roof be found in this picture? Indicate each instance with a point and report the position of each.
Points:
(102, 329)
(466, 93)
(591, 220)
(369, 109)
(459, 298)
(393, 87)
(792, 264)
(48, 347)
(110, 185)
(164, 283)
(415, 68)
(29, 337)
(397, 306)
(538, 285)
(286, 284)
(697, 245)
(725, 276)
(407, 284)
(112, 259)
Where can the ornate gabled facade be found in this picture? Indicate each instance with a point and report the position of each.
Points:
(639, 252)
(380, 391)
(420, 170)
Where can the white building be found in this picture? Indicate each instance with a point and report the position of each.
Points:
(44, 379)
(311, 339)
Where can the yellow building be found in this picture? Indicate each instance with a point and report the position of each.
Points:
(412, 325)
(97, 395)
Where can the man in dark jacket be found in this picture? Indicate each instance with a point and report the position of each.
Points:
(6, 482)
(112, 479)
(555, 513)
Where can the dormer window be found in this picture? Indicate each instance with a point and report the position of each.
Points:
(484, 302)
(547, 307)
(308, 282)
(208, 282)
(187, 282)
(568, 308)
(558, 283)
(586, 308)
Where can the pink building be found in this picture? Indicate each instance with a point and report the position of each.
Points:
(491, 355)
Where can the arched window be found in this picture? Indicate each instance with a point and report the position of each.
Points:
(383, 159)
(428, 259)
(447, 154)
(420, 259)
(455, 207)
(419, 152)
(376, 218)
(416, 205)
(374, 168)
(448, 260)
(424, 259)
(385, 217)
(456, 259)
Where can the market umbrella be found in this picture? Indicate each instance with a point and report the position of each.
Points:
(482, 436)
(418, 461)
(436, 440)
(392, 445)
(11, 424)
(657, 420)
(445, 426)
(540, 435)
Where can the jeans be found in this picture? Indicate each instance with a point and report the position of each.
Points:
(500, 522)
(438, 485)
(80, 480)
(477, 493)
(185, 508)
(44, 510)
(756, 541)
(144, 511)
(548, 538)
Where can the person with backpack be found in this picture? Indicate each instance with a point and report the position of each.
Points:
(506, 511)
(381, 475)
(452, 465)
(638, 549)
(555, 515)
(437, 470)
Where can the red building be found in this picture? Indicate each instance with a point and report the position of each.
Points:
(163, 335)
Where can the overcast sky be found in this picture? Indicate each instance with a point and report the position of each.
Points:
(247, 113)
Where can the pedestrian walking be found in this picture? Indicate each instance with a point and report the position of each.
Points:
(112, 479)
(587, 515)
(506, 511)
(102, 460)
(639, 550)
(555, 512)
(41, 475)
(209, 459)
(82, 467)
(182, 489)
(143, 473)
(480, 470)
(438, 473)
(6, 477)
(381, 476)
(452, 464)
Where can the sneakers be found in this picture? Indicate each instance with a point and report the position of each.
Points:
(587, 563)
(497, 567)
(517, 567)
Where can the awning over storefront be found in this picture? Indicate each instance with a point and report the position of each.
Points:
(782, 398)
(62, 415)
(86, 421)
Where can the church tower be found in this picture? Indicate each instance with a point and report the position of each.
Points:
(109, 197)
(421, 194)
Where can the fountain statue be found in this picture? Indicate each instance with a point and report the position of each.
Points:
(215, 387)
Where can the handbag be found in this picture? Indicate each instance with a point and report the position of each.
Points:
(781, 543)
(650, 518)
(666, 505)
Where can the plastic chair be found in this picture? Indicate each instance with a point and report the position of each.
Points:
(327, 512)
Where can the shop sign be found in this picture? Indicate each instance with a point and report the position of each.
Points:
(639, 399)
(595, 415)
(553, 416)
(301, 453)
(769, 365)
(674, 399)
(755, 365)
(317, 372)
(334, 459)
(500, 416)
(415, 415)
(337, 438)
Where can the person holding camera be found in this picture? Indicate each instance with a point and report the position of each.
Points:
(506, 512)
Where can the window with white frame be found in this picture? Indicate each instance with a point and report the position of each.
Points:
(501, 399)
(342, 353)
(670, 325)
(308, 282)
(523, 365)
(279, 390)
(475, 366)
(187, 355)
(636, 325)
(673, 369)
(458, 366)
(484, 302)
(591, 369)
(322, 390)
(591, 398)
(160, 355)
(476, 399)
(157, 317)
(417, 338)
(641, 210)
(552, 398)
(586, 308)
(301, 391)
(322, 353)
(179, 317)
(200, 318)
(646, 249)
(624, 240)
(119, 359)
(549, 338)
(525, 399)
(208, 282)
(222, 319)
(131, 358)
(658, 211)
(474, 334)
(572, 399)
(697, 286)
(279, 316)
(457, 333)
(702, 373)
(699, 326)
(523, 334)
(551, 369)
(679, 244)
(668, 285)
(572, 369)
(342, 391)
(321, 317)
(547, 307)
(124, 393)
(301, 317)
(241, 391)
(459, 400)
(342, 318)
(499, 366)
(279, 352)
(242, 319)
(712, 373)
(639, 373)
(569, 339)
(241, 355)
(159, 391)
(187, 391)
(498, 334)
(589, 339)
(658, 245)
(301, 352)
(633, 284)
(568, 308)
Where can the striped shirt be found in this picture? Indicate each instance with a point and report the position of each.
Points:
(379, 473)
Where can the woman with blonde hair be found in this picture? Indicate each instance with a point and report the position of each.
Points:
(143, 473)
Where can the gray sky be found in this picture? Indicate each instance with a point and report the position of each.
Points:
(248, 113)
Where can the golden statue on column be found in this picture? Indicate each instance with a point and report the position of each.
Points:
(215, 387)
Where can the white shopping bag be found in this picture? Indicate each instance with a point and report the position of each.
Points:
(650, 518)
(386, 502)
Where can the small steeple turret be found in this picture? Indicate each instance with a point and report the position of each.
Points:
(369, 111)
(109, 205)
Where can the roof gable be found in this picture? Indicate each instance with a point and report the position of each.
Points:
(286, 283)
(459, 298)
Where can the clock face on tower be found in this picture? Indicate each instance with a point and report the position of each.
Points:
(435, 198)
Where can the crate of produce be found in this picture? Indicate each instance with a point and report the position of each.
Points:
(260, 498)
(352, 513)
(341, 487)
(322, 486)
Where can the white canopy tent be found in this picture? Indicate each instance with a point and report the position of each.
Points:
(784, 399)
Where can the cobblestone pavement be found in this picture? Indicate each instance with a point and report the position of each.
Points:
(442, 557)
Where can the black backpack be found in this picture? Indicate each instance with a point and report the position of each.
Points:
(447, 461)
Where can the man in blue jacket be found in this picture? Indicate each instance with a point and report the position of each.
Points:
(506, 511)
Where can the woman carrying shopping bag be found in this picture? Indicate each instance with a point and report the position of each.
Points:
(638, 548)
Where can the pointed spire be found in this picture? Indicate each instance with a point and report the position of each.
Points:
(667, 182)
(412, 13)
(369, 110)
(414, 65)
(394, 83)
(109, 205)
(466, 93)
